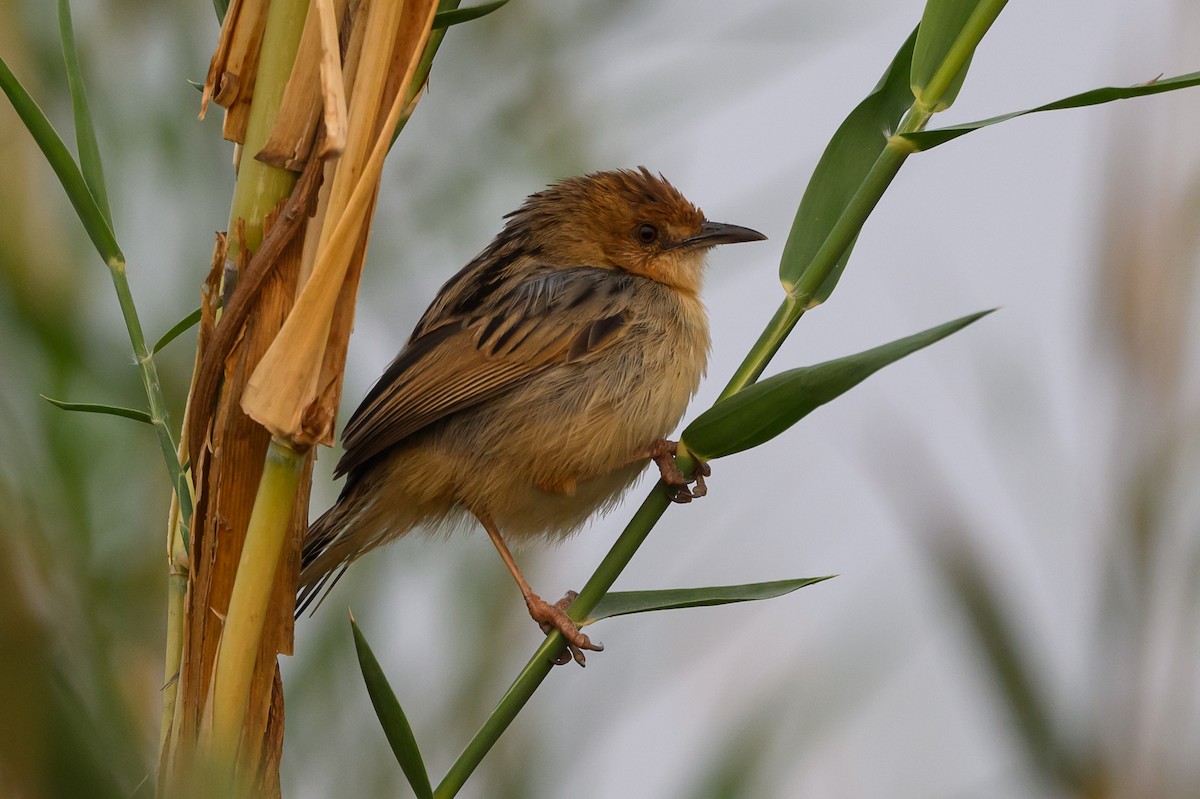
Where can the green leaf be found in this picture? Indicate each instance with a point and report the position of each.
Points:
(1015, 672)
(85, 132)
(64, 166)
(843, 167)
(391, 717)
(759, 412)
(110, 410)
(221, 7)
(946, 40)
(176, 330)
(444, 19)
(623, 603)
(927, 140)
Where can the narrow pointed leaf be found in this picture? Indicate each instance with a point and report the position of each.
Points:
(928, 139)
(391, 717)
(844, 165)
(110, 410)
(444, 19)
(221, 7)
(623, 603)
(64, 166)
(949, 33)
(760, 412)
(177, 330)
(85, 132)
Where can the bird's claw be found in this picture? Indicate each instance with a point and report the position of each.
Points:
(554, 617)
(679, 487)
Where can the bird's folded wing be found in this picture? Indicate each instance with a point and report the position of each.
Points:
(552, 318)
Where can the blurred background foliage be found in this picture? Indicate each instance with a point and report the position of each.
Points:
(1013, 517)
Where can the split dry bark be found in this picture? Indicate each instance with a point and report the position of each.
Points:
(275, 327)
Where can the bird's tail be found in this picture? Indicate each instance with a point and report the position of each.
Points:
(331, 544)
(366, 515)
(316, 570)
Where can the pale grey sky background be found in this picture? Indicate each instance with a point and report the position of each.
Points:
(1026, 435)
(1007, 425)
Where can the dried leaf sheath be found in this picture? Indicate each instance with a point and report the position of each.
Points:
(315, 91)
(285, 392)
(227, 482)
(383, 44)
(234, 66)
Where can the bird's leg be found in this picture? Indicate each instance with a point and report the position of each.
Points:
(549, 617)
(662, 452)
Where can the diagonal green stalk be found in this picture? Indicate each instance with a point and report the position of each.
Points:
(798, 300)
(959, 54)
(540, 664)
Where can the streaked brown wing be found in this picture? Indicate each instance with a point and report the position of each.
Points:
(553, 316)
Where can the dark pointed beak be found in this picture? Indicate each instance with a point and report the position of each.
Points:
(713, 233)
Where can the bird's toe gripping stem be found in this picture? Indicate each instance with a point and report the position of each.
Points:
(680, 487)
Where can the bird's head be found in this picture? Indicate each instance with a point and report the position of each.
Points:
(624, 219)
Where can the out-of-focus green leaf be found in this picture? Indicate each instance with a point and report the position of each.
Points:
(421, 76)
(623, 603)
(177, 330)
(109, 410)
(928, 139)
(391, 717)
(759, 412)
(85, 132)
(64, 166)
(843, 166)
(950, 31)
(1014, 672)
(221, 7)
(444, 19)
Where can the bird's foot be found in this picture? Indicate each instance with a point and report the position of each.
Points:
(554, 617)
(680, 487)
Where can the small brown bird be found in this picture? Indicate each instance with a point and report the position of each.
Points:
(538, 384)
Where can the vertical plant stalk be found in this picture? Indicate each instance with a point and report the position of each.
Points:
(260, 187)
(245, 685)
(265, 536)
(227, 475)
(159, 417)
(540, 665)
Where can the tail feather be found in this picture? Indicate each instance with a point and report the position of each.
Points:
(358, 522)
(326, 553)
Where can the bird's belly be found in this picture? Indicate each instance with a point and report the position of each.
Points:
(574, 440)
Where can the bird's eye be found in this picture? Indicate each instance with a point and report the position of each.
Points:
(647, 233)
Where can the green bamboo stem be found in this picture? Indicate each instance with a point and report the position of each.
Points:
(841, 236)
(653, 507)
(176, 593)
(540, 664)
(259, 190)
(266, 535)
(972, 33)
(260, 187)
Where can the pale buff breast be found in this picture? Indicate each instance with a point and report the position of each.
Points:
(541, 460)
(574, 440)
